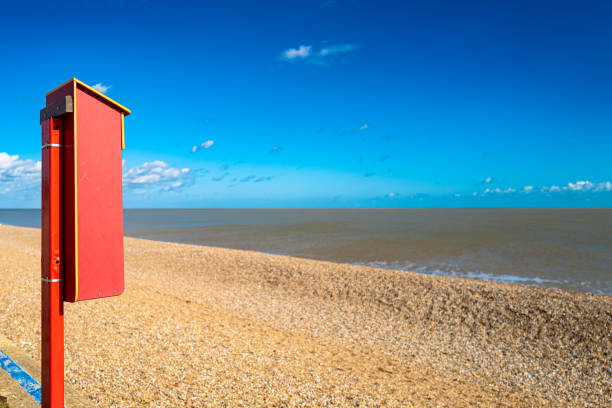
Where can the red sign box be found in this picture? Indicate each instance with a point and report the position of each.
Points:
(92, 196)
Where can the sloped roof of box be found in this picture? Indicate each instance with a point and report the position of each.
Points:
(99, 94)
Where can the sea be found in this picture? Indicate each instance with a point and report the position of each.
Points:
(560, 248)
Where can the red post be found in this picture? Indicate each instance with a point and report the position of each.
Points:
(52, 305)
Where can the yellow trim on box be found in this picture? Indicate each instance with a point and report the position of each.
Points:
(117, 105)
(58, 87)
(122, 132)
(106, 98)
(124, 112)
(76, 218)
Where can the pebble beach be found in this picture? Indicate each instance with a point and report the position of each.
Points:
(199, 326)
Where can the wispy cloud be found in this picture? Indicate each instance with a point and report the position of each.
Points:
(577, 187)
(337, 49)
(262, 178)
(101, 88)
(498, 191)
(582, 186)
(17, 174)
(605, 186)
(156, 175)
(221, 177)
(320, 57)
(327, 3)
(275, 149)
(488, 180)
(253, 178)
(204, 145)
(364, 126)
(175, 186)
(390, 136)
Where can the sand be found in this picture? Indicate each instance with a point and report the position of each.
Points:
(201, 326)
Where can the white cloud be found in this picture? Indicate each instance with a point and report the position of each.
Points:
(101, 88)
(194, 149)
(337, 49)
(364, 126)
(605, 186)
(173, 186)
(303, 51)
(392, 195)
(207, 144)
(17, 174)
(488, 180)
(498, 191)
(582, 186)
(155, 174)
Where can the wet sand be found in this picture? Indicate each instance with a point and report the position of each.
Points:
(200, 326)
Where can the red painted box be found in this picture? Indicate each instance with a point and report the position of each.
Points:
(92, 193)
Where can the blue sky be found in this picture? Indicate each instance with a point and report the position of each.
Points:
(326, 103)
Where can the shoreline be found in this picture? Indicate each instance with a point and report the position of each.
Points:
(481, 276)
(478, 276)
(250, 328)
(488, 246)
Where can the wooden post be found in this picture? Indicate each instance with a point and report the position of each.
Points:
(52, 287)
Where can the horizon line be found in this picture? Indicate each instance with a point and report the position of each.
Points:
(340, 208)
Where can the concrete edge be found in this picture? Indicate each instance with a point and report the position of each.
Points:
(18, 397)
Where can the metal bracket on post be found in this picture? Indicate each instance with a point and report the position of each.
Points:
(59, 108)
(47, 280)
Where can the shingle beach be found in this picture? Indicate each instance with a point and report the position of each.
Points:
(200, 326)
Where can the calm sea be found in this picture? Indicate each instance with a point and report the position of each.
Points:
(569, 249)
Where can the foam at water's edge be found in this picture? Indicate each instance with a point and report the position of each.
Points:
(455, 273)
